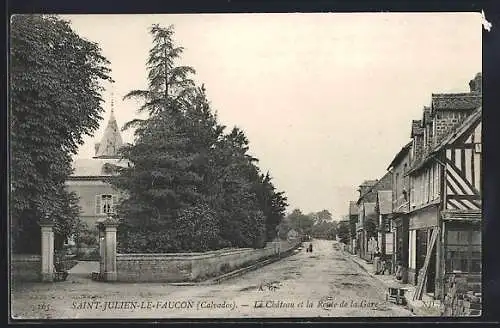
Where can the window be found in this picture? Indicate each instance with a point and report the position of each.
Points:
(463, 251)
(412, 248)
(437, 186)
(405, 177)
(414, 144)
(105, 204)
(396, 187)
(428, 180)
(412, 191)
(434, 129)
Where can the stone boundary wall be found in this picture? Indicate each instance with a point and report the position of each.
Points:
(184, 267)
(25, 267)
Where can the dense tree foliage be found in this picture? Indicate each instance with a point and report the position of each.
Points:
(343, 232)
(191, 186)
(301, 222)
(54, 101)
(316, 224)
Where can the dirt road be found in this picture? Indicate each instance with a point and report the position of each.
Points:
(324, 283)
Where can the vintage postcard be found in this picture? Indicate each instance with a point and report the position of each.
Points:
(245, 165)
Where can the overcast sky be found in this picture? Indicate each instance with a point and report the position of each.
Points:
(326, 100)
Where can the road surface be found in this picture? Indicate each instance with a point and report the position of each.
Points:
(324, 283)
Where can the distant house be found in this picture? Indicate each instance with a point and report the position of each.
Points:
(384, 212)
(366, 227)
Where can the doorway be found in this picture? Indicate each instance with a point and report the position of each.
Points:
(431, 273)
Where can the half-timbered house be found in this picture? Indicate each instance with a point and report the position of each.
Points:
(445, 198)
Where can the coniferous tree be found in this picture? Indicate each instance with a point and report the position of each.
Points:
(190, 186)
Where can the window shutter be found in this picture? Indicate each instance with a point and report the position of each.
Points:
(114, 203)
(98, 204)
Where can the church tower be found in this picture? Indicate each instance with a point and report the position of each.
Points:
(111, 140)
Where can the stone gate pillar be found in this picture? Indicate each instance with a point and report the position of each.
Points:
(102, 249)
(47, 249)
(110, 227)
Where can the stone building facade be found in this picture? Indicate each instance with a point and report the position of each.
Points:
(97, 198)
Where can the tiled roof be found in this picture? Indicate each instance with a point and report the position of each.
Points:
(384, 198)
(450, 137)
(455, 101)
(93, 167)
(371, 186)
(369, 183)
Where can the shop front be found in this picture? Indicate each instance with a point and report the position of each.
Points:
(400, 247)
(422, 244)
(462, 252)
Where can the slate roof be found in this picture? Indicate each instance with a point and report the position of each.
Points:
(93, 167)
(376, 182)
(111, 140)
(455, 101)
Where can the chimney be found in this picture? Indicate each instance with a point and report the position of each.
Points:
(417, 134)
(476, 84)
(450, 109)
(427, 127)
(96, 148)
(365, 186)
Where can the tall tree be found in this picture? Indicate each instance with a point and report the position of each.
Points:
(300, 221)
(169, 85)
(166, 183)
(343, 232)
(272, 202)
(188, 177)
(55, 100)
(324, 215)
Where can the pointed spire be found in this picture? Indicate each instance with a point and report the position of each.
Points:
(112, 106)
(111, 140)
